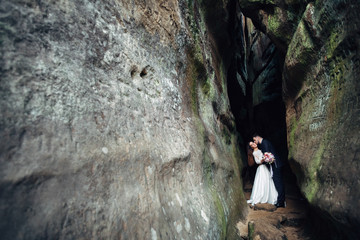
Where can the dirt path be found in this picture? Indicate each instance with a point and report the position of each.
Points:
(266, 222)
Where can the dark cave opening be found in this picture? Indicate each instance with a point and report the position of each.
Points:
(269, 120)
(255, 94)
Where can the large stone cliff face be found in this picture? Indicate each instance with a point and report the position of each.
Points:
(115, 122)
(321, 91)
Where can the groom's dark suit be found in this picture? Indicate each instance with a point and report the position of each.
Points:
(266, 146)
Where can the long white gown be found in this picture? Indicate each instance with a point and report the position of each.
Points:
(263, 190)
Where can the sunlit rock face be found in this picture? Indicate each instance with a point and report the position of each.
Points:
(321, 91)
(115, 122)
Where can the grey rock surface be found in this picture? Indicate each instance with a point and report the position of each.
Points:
(107, 131)
(322, 93)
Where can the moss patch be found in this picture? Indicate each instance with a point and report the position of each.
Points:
(294, 127)
(302, 47)
(279, 26)
(196, 74)
(251, 229)
(333, 41)
(191, 85)
(312, 183)
(208, 169)
(220, 213)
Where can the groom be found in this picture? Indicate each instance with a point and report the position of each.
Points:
(266, 146)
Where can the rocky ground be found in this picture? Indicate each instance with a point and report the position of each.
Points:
(264, 221)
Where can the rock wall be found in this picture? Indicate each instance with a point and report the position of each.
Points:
(115, 121)
(321, 91)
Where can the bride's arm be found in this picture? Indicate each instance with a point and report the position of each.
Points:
(258, 155)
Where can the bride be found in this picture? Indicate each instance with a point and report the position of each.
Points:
(263, 190)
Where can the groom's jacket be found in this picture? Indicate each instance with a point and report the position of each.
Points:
(266, 146)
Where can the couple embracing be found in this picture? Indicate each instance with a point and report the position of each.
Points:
(268, 185)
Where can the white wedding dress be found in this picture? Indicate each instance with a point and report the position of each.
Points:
(263, 190)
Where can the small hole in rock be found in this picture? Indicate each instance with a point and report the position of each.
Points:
(133, 71)
(143, 73)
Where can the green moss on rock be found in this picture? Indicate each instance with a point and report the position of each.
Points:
(221, 218)
(302, 47)
(313, 184)
(209, 177)
(196, 74)
(251, 229)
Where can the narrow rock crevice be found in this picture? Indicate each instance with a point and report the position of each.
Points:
(255, 95)
(319, 65)
(130, 119)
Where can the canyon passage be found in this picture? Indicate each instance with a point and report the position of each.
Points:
(130, 119)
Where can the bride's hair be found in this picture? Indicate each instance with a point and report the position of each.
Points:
(250, 155)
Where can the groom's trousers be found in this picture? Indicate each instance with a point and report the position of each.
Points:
(279, 183)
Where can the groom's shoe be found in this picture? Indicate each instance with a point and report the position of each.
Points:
(280, 205)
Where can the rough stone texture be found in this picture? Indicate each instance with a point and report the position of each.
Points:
(277, 18)
(115, 123)
(321, 90)
(262, 229)
(323, 109)
(265, 207)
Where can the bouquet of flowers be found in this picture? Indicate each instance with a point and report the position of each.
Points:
(269, 157)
